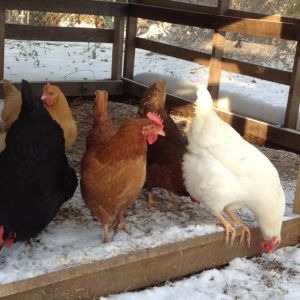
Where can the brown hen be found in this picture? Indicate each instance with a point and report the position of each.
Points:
(165, 156)
(113, 169)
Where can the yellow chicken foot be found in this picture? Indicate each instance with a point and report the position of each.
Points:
(229, 230)
(106, 238)
(236, 222)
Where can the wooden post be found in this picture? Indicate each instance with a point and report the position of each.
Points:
(292, 109)
(2, 42)
(117, 51)
(296, 209)
(131, 30)
(215, 66)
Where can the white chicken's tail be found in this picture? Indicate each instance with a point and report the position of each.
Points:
(204, 101)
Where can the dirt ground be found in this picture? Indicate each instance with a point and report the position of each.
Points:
(286, 162)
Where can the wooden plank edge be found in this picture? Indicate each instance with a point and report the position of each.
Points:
(252, 130)
(103, 8)
(255, 27)
(142, 268)
(79, 88)
(296, 208)
(64, 34)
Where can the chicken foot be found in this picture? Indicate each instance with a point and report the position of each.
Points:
(236, 222)
(153, 203)
(171, 197)
(230, 231)
(119, 223)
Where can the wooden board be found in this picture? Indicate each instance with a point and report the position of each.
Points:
(131, 30)
(253, 27)
(292, 109)
(65, 34)
(215, 65)
(142, 268)
(80, 88)
(296, 209)
(91, 7)
(254, 131)
(117, 51)
(2, 42)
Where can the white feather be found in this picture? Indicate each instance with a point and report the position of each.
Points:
(224, 171)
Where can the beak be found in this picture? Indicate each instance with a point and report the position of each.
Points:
(44, 96)
(162, 133)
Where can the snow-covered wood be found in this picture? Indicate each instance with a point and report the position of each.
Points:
(141, 268)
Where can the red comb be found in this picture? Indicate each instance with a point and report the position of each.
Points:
(156, 118)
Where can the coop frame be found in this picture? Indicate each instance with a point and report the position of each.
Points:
(147, 267)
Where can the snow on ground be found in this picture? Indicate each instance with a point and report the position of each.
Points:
(276, 277)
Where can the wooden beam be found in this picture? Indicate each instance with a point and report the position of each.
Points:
(229, 65)
(117, 51)
(131, 30)
(68, 34)
(296, 209)
(89, 7)
(80, 88)
(215, 65)
(253, 27)
(254, 15)
(142, 268)
(181, 5)
(2, 42)
(254, 131)
(292, 109)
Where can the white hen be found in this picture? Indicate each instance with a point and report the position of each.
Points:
(225, 172)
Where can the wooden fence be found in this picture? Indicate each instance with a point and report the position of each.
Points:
(221, 19)
(145, 267)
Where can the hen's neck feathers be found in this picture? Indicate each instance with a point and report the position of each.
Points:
(204, 103)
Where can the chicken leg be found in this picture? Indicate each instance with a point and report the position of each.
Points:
(230, 231)
(119, 223)
(106, 238)
(236, 222)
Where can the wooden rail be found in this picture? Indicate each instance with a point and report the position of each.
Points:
(89, 7)
(142, 268)
(296, 209)
(67, 34)
(254, 131)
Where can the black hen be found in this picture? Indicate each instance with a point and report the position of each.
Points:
(163, 157)
(35, 177)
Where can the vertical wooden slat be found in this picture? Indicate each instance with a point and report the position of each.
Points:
(2, 42)
(131, 30)
(296, 209)
(117, 51)
(292, 109)
(215, 66)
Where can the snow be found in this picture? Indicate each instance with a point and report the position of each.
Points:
(275, 277)
(56, 61)
(60, 245)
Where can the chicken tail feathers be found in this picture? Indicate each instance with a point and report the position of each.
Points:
(204, 101)
(29, 101)
(101, 104)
